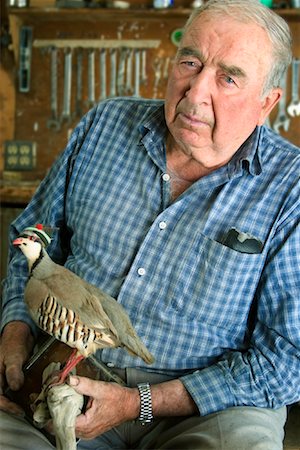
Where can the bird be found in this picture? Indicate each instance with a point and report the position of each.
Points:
(71, 309)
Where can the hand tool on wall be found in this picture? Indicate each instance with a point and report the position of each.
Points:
(294, 107)
(113, 72)
(25, 58)
(157, 75)
(121, 72)
(282, 120)
(79, 66)
(53, 122)
(144, 77)
(102, 60)
(66, 112)
(129, 64)
(91, 78)
(137, 69)
(166, 68)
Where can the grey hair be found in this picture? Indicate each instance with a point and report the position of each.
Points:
(254, 11)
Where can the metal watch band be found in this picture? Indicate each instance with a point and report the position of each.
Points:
(146, 415)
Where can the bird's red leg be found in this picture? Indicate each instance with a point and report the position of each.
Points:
(71, 362)
(59, 377)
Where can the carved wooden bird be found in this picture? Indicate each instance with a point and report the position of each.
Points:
(72, 310)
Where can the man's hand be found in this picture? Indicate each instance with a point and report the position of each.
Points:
(15, 347)
(109, 405)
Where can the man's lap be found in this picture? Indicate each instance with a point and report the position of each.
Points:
(237, 428)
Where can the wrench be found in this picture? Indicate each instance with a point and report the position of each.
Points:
(91, 78)
(53, 122)
(121, 72)
(144, 78)
(113, 72)
(294, 107)
(137, 68)
(129, 63)
(102, 74)
(66, 112)
(282, 120)
(78, 109)
(157, 66)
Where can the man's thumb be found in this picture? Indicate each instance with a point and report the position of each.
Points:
(82, 385)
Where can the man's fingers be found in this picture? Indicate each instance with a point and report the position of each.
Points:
(14, 376)
(10, 407)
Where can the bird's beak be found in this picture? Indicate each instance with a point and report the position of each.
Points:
(18, 241)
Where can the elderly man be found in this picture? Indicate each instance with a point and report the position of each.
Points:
(187, 212)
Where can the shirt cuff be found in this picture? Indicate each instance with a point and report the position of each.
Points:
(209, 389)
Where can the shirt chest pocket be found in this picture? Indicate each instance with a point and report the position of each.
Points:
(215, 283)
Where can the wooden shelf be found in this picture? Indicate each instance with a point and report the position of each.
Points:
(17, 193)
(105, 13)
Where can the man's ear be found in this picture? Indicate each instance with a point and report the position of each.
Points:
(268, 103)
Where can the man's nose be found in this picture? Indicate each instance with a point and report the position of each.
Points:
(201, 87)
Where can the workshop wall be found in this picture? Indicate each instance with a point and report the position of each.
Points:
(64, 60)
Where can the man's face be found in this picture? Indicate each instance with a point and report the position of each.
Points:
(214, 94)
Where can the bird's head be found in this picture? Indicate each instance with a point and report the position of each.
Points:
(31, 242)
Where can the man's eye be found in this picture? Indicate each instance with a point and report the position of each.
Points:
(229, 80)
(187, 66)
(192, 64)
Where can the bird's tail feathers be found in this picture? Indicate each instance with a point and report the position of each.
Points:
(138, 349)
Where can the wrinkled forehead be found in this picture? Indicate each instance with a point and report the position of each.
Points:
(229, 39)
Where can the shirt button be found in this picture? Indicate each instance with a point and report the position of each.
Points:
(110, 364)
(166, 177)
(162, 225)
(141, 271)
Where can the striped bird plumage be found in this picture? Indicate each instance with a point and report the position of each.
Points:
(74, 311)
(65, 325)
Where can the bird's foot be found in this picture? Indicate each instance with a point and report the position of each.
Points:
(56, 378)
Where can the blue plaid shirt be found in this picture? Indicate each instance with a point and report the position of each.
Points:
(226, 322)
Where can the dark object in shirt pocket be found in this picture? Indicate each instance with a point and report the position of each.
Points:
(242, 242)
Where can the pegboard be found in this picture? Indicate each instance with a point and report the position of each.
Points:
(82, 40)
(132, 51)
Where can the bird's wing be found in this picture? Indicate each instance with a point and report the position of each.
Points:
(127, 334)
(73, 293)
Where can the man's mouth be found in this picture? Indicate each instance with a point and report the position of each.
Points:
(192, 120)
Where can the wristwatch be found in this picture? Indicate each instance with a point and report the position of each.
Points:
(146, 414)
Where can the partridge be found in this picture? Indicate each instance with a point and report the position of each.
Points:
(72, 310)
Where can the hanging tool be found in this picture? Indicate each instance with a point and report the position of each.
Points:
(144, 77)
(25, 58)
(282, 120)
(66, 112)
(129, 64)
(113, 72)
(53, 122)
(102, 74)
(79, 66)
(294, 107)
(157, 75)
(121, 72)
(166, 68)
(137, 69)
(91, 78)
